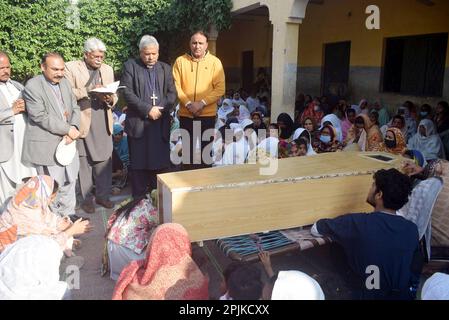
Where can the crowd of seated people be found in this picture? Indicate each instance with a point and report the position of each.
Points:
(343, 127)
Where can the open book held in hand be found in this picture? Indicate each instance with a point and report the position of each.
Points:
(109, 89)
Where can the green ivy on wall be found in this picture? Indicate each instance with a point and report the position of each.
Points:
(28, 29)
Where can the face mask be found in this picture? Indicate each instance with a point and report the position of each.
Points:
(390, 144)
(424, 114)
(325, 139)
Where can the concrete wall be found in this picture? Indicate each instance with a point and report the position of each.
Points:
(234, 76)
(364, 83)
(344, 20)
(246, 33)
(309, 80)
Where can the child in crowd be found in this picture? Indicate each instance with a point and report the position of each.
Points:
(120, 159)
(273, 131)
(296, 148)
(299, 148)
(226, 274)
(245, 283)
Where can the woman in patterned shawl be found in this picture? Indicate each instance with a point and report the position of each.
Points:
(128, 232)
(167, 273)
(440, 222)
(28, 214)
(395, 142)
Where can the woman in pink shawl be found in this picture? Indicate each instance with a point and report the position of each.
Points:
(28, 214)
(168, 272)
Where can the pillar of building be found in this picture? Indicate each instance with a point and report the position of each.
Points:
(284, 68)
(286, 17)
(213, 36)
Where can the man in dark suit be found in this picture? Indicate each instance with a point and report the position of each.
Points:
(53, 116)
(150, 95)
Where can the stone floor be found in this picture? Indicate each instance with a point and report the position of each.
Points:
(317, 262)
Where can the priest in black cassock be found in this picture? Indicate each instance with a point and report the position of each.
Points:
(150, 95)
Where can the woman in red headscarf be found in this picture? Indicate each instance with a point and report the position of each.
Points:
(167, 273)
(313, 112)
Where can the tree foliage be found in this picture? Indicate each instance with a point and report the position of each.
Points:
(28, 29)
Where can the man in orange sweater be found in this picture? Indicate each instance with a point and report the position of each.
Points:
(200, 82)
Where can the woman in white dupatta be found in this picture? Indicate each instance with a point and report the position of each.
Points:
(243, 113)
(436, 287)
(237, 151)
(29, 270)
(266, 150)
(362, 107)
(335, 122)
(250, 134)
(296, 285)
(223, 112)
(427, 141)
(410, 122)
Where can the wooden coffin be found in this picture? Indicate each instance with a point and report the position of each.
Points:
(236, 200)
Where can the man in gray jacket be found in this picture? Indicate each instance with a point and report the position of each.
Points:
(12, 129)
(53, 115)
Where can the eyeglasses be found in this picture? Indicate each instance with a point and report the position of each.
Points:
(99, 57)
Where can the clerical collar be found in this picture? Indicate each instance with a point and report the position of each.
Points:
(150, 67)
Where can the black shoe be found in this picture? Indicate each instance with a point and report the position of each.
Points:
(105, 203)
(88, 207)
